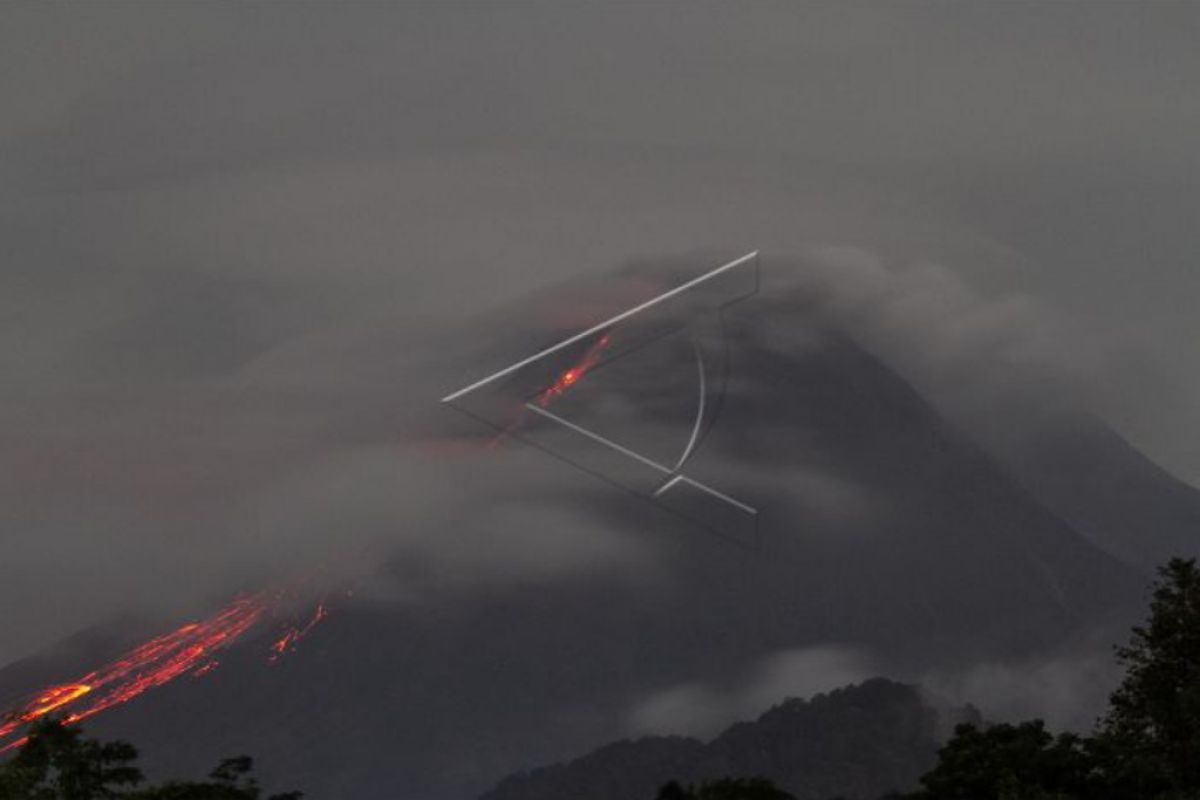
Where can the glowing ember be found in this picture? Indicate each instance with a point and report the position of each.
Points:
(564, 382)
(54, 697)
(292, 636)
(205, 669)
(573, 374)
(185, 650)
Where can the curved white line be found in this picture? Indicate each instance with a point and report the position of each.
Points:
(691, 445)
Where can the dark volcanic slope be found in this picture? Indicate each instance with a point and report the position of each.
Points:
(857, 742)
(1101, 484)
(883, 526)
(948, 547)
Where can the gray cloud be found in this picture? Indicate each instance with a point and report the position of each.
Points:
(968, 350)
(1069, 691)
(246, 248)
(702, 710)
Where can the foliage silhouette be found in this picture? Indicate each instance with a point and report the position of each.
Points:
(725, 789)
(1147, 746)
(58, 763)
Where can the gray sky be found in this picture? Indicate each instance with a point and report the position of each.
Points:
(239, 239)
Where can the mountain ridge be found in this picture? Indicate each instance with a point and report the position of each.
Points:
(884, 525)
(856, 742)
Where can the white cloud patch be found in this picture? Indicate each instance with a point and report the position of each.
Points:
(926, 319)
(1068, 691)
(702, 709)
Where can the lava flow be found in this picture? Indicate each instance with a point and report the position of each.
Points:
(191, 649)
(292, 636)
(569, 378)
(188, 649)
(565, 381)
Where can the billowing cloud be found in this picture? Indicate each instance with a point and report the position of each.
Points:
(963, 346)
(238, 241)
(702, 709)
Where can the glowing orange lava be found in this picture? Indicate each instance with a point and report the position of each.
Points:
(292, 636)
(569, 378)
(188, 649)
(55, 697)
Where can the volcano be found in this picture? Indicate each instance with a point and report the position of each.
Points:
(884, 526)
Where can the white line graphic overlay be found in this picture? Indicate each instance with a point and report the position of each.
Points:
(624, 315)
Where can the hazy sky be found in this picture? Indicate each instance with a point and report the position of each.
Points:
(235, 236)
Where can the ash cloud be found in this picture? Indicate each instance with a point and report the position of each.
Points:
(969, 350)
(245, 248)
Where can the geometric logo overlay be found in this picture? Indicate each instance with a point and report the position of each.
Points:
(630, 399)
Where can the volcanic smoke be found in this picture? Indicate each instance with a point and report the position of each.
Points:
(191, 649)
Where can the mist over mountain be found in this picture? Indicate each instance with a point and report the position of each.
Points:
(249, 247)
(891, 542)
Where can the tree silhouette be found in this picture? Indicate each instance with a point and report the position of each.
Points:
(1009, 761)
(231, 780)
(725, 789)
(57, 763)
(1147, 746)
(1150, 738)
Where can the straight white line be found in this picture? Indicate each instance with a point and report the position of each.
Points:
(666, 486)
(642, 459)
(598, 438)
(748, 509)
(601, 326)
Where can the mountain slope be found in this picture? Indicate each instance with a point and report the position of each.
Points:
(856, 742)
(883, 526)
(1099, 483)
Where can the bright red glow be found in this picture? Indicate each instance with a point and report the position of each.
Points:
(188, 649)
(569, 378)
(292, 636)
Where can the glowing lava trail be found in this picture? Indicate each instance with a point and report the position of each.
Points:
(561, 384)
(191, 649)
(292, 636)
(188, 649)
(573, 374)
